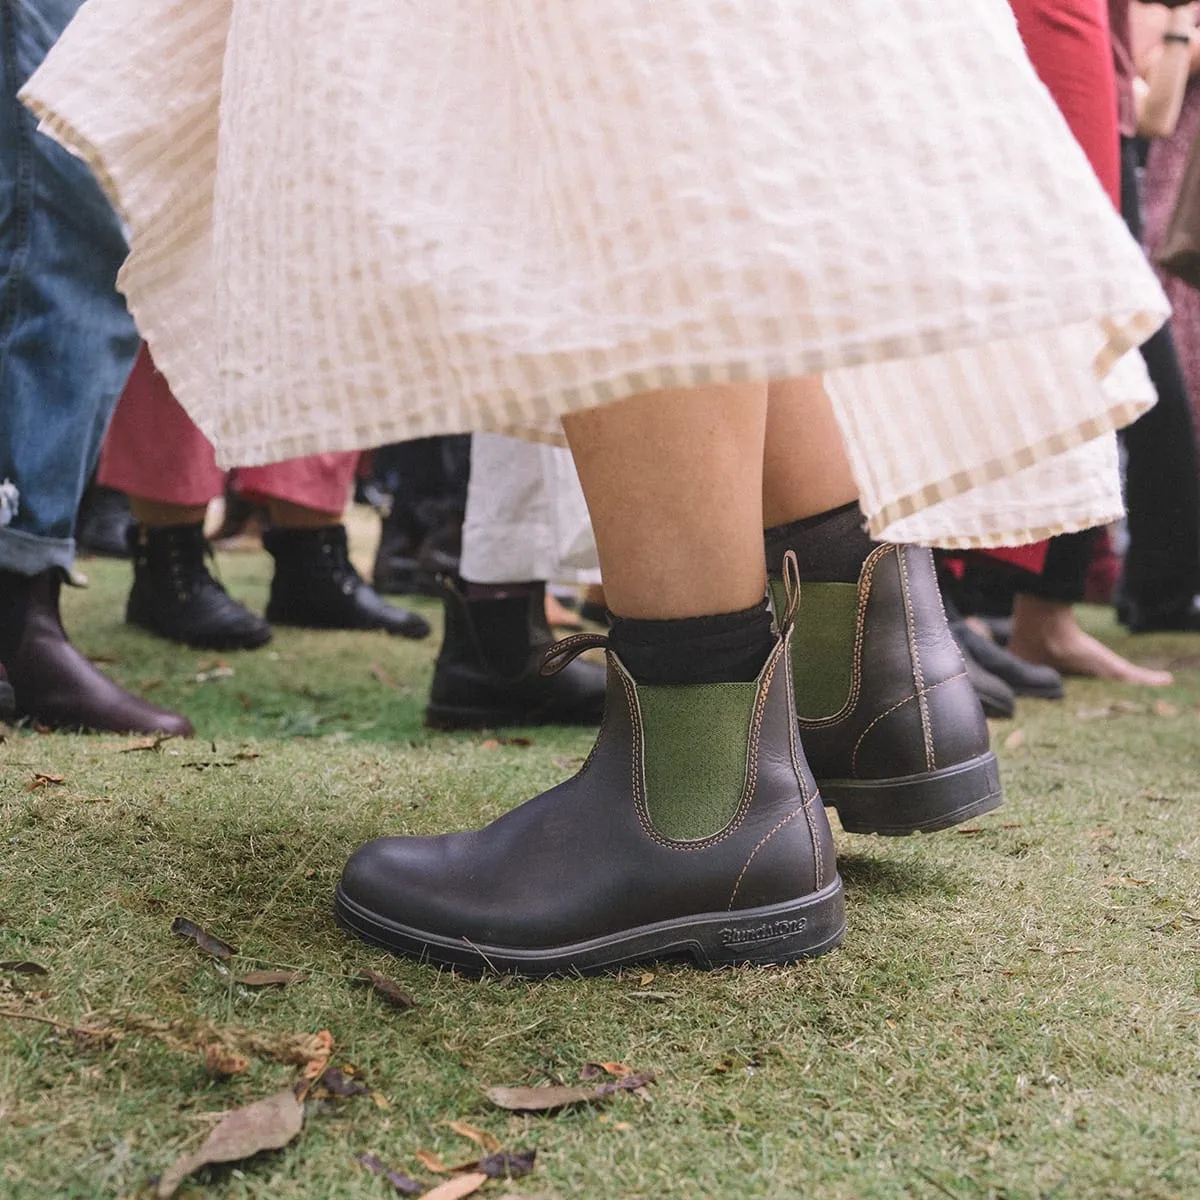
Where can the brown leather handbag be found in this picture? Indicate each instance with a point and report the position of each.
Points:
(1179, 251)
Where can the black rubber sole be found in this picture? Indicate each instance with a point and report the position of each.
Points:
(916, 803)
(411, 585)
(777, 933)
(249, 642)
(1040, 693)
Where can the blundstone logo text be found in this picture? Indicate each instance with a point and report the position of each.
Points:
(763, 933)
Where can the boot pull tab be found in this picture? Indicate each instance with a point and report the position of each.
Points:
(563, 653)
(791, 591)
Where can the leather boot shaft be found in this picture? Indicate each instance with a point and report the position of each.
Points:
(56, 686)
(889, 719)
(487, 671)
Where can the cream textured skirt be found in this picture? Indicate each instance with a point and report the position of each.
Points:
(358, 222)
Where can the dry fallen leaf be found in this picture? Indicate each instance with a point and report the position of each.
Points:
(342, 1083)
(379, 672)
(509, 1165)
(1015, 740)
(264, 1125)
(479, 1136)
(387, 989)
(595, 1070)
(215, 673)
(261, 979)
(23, 968)
(1126, 881)
(458, 1187)
(539, 1099)
(41, 779)
(545, 1099)
(402, 1183)
(320, 1052)
(431, 1162)
(221, 1062)
(152, 743)
(616, 1069)
(184, 928)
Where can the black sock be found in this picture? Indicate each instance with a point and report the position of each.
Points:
(726, 648)
(830, 547)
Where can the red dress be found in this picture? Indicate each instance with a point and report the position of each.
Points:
(1070, 46)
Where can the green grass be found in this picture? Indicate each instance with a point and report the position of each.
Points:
(1013, 1014)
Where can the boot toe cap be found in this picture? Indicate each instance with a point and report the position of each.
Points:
(401, 881)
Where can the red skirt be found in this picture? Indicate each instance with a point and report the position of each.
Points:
(1070, 46)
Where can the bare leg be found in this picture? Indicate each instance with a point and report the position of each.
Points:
(673, 482)
(287, 515)
(157, 514)
(805, 470)
(1047, 631)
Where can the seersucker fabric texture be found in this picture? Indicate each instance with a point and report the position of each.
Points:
(352, 224)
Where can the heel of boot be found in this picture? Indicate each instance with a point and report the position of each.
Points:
(780, 933)
(916, 803)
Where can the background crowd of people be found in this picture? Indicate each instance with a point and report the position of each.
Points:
(882, 697)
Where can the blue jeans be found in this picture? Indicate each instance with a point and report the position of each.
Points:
(67, 342)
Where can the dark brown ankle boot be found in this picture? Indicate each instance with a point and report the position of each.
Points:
(53, 684)
(693, 831)
(890, 723)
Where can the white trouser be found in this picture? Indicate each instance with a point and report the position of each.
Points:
(526, 517)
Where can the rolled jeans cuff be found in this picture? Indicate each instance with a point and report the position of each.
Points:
(25, 554)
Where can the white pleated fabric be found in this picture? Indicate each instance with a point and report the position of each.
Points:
(526, 517)
(353, 223)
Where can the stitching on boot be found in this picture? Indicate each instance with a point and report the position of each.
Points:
(751, 775)
(806, 795)
(866, 577)
(604, 718)
(906, 700)
(915, 656)
(790, 817)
